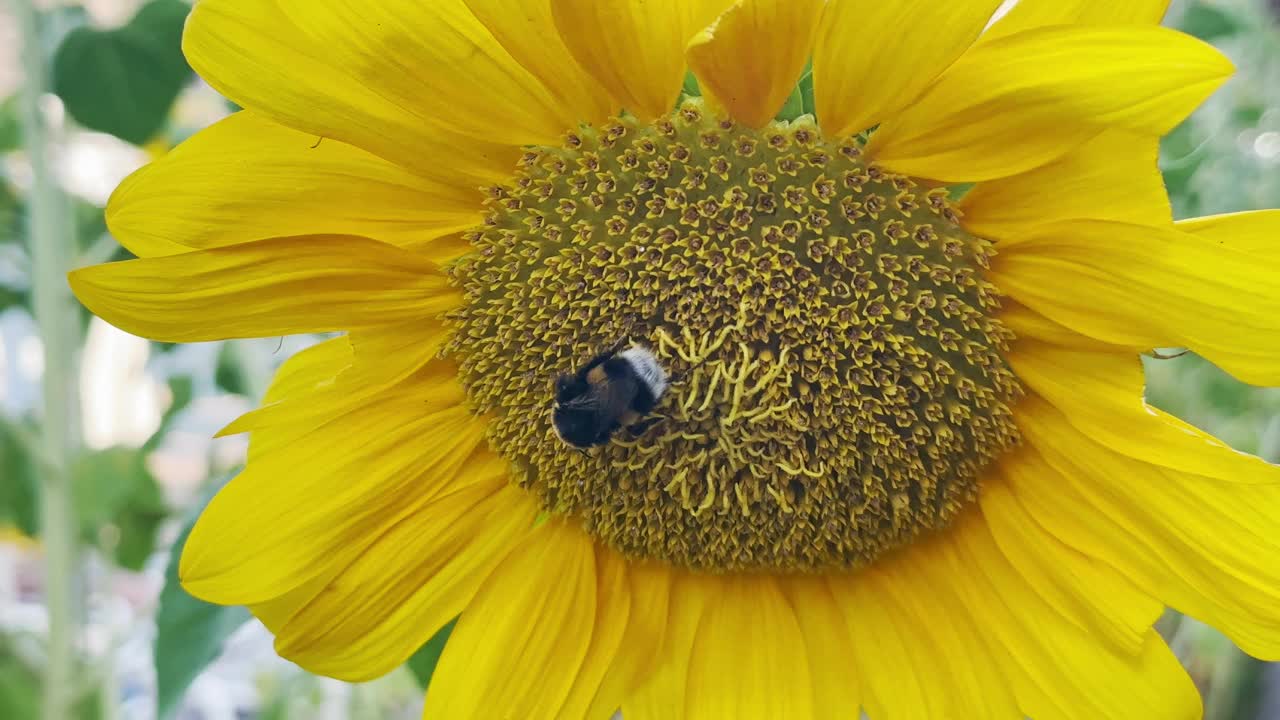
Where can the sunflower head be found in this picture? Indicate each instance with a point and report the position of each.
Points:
(903, 464)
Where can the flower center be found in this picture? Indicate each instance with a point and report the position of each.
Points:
(837, 378)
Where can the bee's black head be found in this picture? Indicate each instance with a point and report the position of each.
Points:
(579, 426)
(569, 388)
(575, 413)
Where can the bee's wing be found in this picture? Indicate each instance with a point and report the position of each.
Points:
(619, 395)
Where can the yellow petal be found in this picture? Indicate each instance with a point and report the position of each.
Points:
(522, 639)
(359, 475)
(751, 628)
(649, 587)
(303, 376)
(247, 178)
(375, 361)
(526, 29)
(485, 471)
(634, 48)
(1087, 592)
(1101, 395)
(889, 655)
(436, 60)
(309, 368)
(613, 609)
(415, 577)
(1028, 14)
(749, 59)
(263, 288)
(350, 87)
(663, 691)
(279, 426)
(1027, 324)
(276, 612)
(1112, 177)
(827, 644)
(1256, 232)
(1209, 549)
(1057, 670)
(1014, 104)
(1141, 286)
(874, 58)
(952, 652)
(410, 375)
(935, 652)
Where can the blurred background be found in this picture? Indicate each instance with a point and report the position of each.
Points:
(98, 489)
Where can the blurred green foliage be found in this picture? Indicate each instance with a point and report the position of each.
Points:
(1209, 22)
(123, 81)
(20, 490)
(118, 503)
(1224, 157)
(189, 632)
(10, 132)
(20, 685)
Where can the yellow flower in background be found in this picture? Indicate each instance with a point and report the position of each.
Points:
(904, 463)
(10, 535)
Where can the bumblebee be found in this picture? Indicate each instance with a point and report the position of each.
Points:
(611, 391)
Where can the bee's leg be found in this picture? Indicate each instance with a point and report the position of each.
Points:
(604, 436)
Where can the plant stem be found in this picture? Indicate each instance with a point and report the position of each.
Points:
(49, 243)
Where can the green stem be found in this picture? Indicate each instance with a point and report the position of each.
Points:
(50, 244)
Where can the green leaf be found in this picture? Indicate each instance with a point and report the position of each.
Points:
(10, 129)
(19, 488)
(1181, 154)
(11, 212)
(228, 373)
(1249, 115)
(423, 663)
(118, 503)
(12, 297)
(124, 81)
(690, 86)
(793, 107)
(1208, 22)
(958, 191)
(181, 391)
(91, 223)
(189, 632)
(19, 684)
(806, 93)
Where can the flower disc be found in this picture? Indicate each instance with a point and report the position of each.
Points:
(838, 382)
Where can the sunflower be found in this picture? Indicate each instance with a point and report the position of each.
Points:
(904, 463)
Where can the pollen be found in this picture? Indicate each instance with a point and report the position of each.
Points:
(838, 373)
